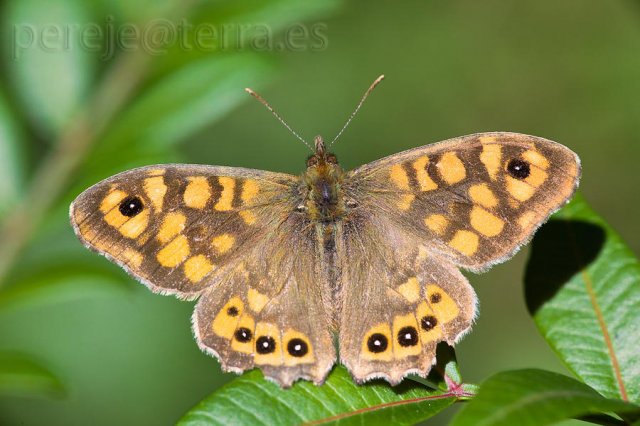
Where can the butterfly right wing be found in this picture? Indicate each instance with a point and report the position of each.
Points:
(475, 199)
(398, 301)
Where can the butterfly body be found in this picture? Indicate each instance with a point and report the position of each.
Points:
(280, 264)
(323, 179)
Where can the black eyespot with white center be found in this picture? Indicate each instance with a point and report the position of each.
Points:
(377, 343)
(435, 298)
(297, 347)
(518, 169)
(232, 311)
(243, 335)
(408, 336)
(265, 345)
(428, 322)
(131, 206)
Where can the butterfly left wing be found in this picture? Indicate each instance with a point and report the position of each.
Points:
(268, 311)
(231, 236)
(175, 227)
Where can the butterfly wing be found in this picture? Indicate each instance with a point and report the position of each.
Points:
(399, 301)
(475, 199)
(467, 202)
(275, 321)
(175, 227)
(231, 236)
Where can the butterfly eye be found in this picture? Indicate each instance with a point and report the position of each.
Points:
(377, 343)
(435, 298)
(518, 169)
(312, 161)
(297, 347)
(408, 336)
(243, 335)
(131, 206)
(332, 159)
(428, 322)
(265, 345)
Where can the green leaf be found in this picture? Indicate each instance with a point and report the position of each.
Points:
(535, 397)
(50, 68)
(250, 399)
(583, 289)
(11, 158)
(22, 376)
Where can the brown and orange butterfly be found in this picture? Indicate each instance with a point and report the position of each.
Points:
(282, 263)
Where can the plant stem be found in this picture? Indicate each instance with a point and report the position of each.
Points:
(74, 142)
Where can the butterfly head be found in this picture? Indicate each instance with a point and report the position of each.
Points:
(321, 159)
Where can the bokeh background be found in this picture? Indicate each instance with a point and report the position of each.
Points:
(82, 343)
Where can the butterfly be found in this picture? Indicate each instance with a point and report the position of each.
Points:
(282, 264)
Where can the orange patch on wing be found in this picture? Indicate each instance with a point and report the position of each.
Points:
(491, 157)
(405, 201)
(257, 300)
(399, 177)
(451, 168)
(133, 227)
(437, 223)
(485, 222)
(197, 193)
(481, 194)
(410, 290)
(226, 197)
(535, 158)
(223, 243)
(526, 220)
(174, 253)
(112, 200)
(425, 182)
(155, 189)
(132, 257)
(301, 342)
(466, 242)
(249, 190)
(172, 224)
(380, 354)
(248, 217)
(197, 267)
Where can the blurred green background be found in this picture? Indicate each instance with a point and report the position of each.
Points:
(97, 348)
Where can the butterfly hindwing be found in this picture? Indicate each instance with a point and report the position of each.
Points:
(175, 227)
(399, 301)
(274, 320)
(476, 199)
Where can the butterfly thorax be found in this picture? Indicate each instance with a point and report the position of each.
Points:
(323, 178)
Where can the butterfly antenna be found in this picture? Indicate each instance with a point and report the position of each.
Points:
(270, 108)
(355, 111)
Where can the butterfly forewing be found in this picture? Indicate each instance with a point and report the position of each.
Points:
(177, 227)
(475, 199)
